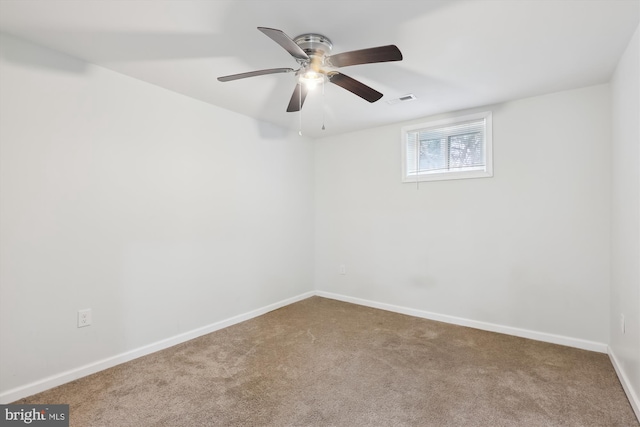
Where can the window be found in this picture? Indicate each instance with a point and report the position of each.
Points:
(454, 148)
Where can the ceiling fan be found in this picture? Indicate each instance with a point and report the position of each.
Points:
(311, 51)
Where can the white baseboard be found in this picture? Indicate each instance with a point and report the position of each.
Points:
(485, 326)
(91, 368)
(634, 399)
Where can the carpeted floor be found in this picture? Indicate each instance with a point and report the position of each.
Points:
(321, 362)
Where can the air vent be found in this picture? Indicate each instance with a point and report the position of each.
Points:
(404, 98)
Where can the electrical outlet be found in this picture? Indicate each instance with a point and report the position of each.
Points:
(84, 318)
(343, 269)
(622, 326)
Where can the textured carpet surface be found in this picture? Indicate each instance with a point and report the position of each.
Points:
(321, 362)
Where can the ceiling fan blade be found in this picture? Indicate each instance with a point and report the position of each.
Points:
(297, 99)
(354, 86)
(254, 73)
(285, 41)
(366, 56)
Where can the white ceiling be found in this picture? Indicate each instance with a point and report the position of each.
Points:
(457, 53)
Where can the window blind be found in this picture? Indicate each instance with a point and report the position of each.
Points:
(446, 148)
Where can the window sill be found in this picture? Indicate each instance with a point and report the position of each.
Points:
(442, 176)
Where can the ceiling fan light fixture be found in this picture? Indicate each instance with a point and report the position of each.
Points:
(311, 79)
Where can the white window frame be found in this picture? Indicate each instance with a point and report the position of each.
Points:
(485, 172)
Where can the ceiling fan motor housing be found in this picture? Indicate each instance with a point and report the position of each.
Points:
(314, 45)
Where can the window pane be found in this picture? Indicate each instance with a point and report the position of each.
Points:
(465, 150)
(433, 154)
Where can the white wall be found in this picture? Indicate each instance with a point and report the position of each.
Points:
(160, 213)
(528, 248)
(625, 217)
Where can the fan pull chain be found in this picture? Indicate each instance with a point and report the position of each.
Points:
(324, 104)
(300, 110)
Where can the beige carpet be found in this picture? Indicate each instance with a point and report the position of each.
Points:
(321, 362)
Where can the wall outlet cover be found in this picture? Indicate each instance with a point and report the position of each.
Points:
(84, 318)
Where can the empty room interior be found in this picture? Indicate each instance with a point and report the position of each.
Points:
(321, 212)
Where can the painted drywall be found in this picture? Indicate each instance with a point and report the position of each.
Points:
(625, 217)
(527, 248)
(160, 213)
